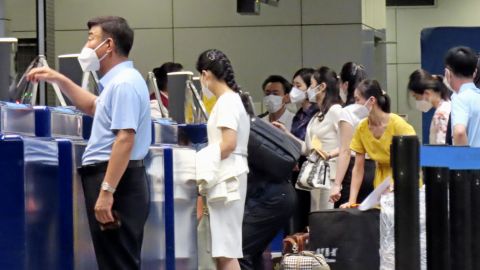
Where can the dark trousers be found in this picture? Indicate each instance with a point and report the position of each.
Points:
(367, 185)
(268, 207)
(299, 220)
(118, 249)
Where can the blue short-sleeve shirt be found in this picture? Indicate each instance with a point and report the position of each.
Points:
(466, 111)
(123, 104)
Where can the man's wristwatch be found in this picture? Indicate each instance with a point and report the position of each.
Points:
(106, 187)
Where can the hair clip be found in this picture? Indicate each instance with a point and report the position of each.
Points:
(211, 55)
(355, 68)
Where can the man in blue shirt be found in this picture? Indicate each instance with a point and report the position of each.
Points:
(461, 65)
(113, 175)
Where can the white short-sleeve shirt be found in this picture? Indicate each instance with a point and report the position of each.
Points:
(229, 112)
(286, 119)
(327, 132)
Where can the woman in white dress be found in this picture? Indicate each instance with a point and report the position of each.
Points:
(229, 127)
(323, 127)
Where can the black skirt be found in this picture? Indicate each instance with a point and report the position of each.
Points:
(367, 185)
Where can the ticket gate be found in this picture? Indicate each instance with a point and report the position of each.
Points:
(44, 174)
(45, 224)
(171, 167)
(30, 211)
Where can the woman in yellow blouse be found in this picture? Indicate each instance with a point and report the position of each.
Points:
(373, 136)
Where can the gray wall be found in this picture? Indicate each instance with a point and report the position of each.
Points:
(282, 39)
(3, 19)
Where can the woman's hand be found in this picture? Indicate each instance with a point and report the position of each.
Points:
(335, 194)
(348, 205)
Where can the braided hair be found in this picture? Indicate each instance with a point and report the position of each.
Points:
(220, 66)
(218, 63)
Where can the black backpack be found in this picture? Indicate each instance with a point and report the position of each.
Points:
(271, 152)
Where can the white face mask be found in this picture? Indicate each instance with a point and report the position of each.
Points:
(446, 81)
(367, 103)
(296, 95)
(312, 94)
(343, 95)
(359, 111)
(88, 59)
(423, 105)
(273, 103)
(205, 91)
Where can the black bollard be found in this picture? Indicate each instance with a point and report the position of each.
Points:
(475, 185)
(438, 228)
(404, 156)
(460, 220)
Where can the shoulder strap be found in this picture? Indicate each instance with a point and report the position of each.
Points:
(263, 114)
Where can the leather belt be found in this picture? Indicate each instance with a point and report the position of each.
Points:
(101, 167)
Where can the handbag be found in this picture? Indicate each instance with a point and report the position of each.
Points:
(296, 243)
(204, 241)
(305, 260)
(315, 173)
(271, 152)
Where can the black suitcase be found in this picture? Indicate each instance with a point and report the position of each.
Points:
(348, 238)
(271, 152)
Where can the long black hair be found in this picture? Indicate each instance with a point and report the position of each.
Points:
(332, 97)
(352, 73)
(220, 66)
(420, 80)
(372, 88)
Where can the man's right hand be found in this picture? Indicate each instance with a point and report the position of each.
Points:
(44, 74)
(280, 126)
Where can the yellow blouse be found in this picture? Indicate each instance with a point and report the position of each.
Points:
(379, 149)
